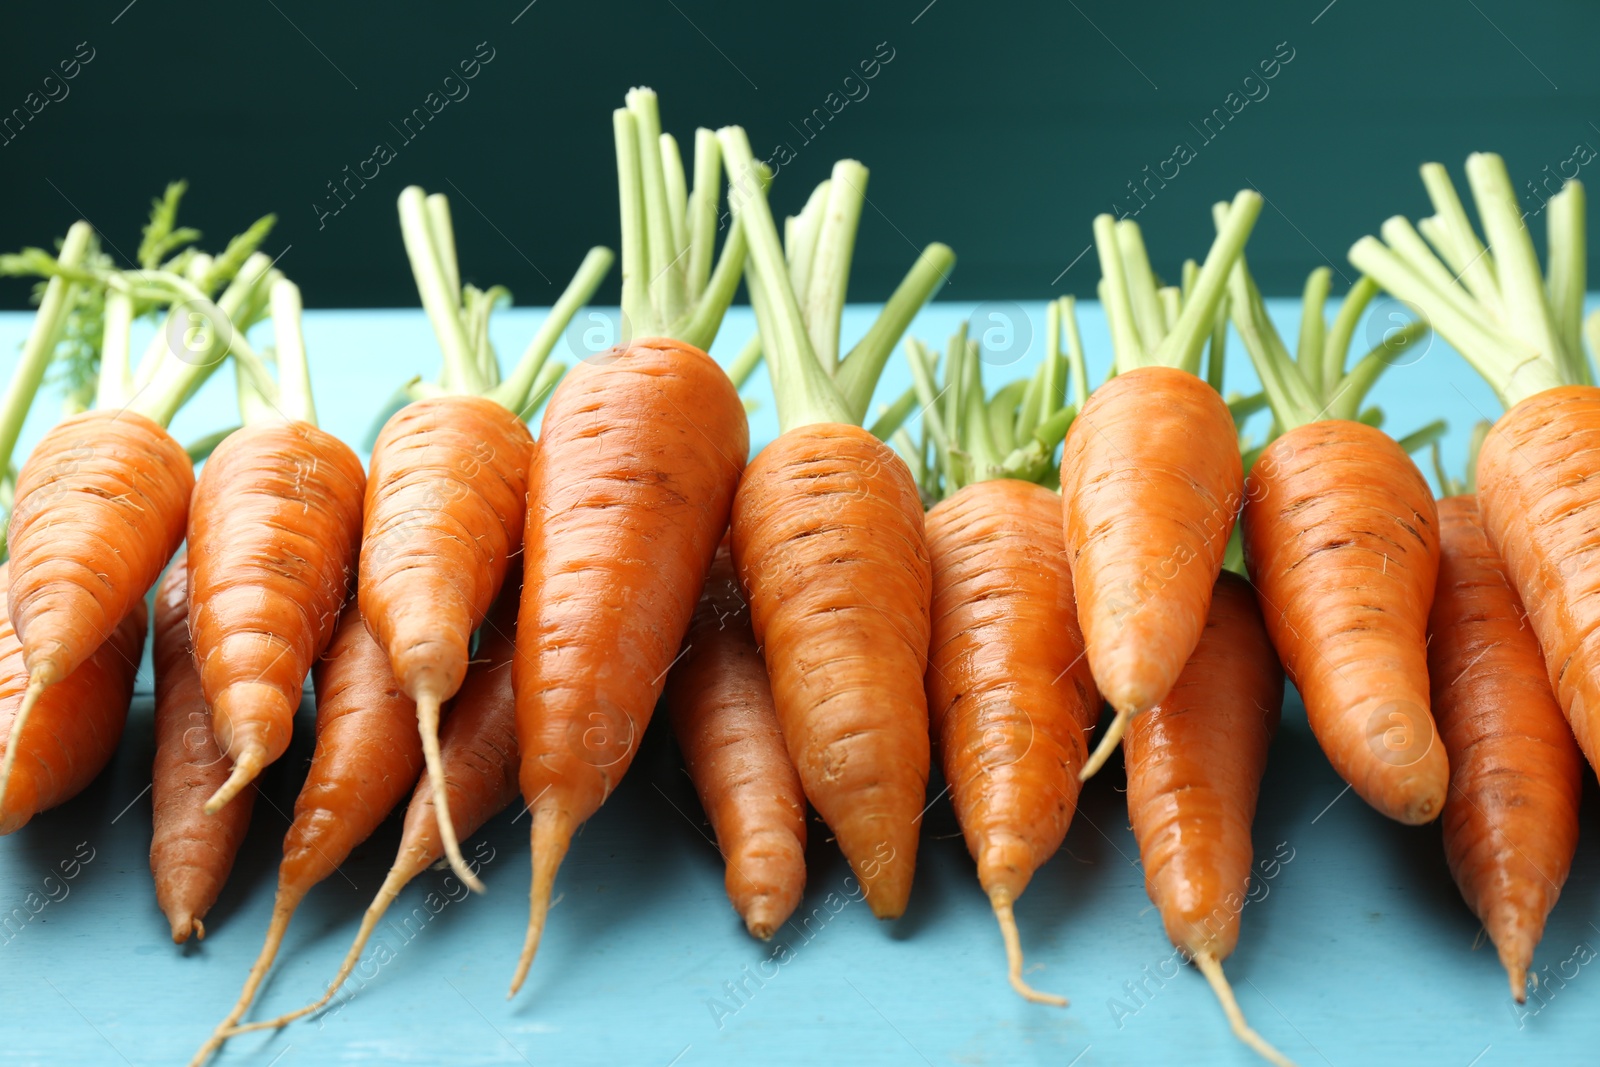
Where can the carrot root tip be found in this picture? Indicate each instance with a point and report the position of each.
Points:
(428, 724)
(1211, 967)
(1108, 744)
(1001, 902)
(551, 834)
(245, 768)
(1519, 984)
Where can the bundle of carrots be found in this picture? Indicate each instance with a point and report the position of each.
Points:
(952, 588)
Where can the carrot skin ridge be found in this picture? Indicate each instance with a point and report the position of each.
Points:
(274, 528)
(443, 517)
(1537, 505)
(478, 741)
(1151, 482)
(720, 705)
(629, 493)
(76, 723)
(367, 756)
(828, 543)
(1511, 820)
(1010, 693)
(191, 853)
(1341, 538)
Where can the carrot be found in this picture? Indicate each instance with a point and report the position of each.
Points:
(1511, 820)
(1523, 332)
(77, 722)
(448, 481)
(191, 853)
(102, 500)
(1150, 474)
(628, 495)
(478, 744)
(720, 703)
(1194, 769)
(274, 525)
(1341, 538)
(827, 539)
(367, 755)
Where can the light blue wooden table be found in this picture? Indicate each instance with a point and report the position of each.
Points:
(1360, 952)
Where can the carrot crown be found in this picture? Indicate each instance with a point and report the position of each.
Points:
(1166, 326)
(1313, 384)
(1520, 329)
(798, 293)
(460, 314)
(969, 436)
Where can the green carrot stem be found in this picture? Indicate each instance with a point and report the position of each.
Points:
(858, 374)
(1566, 276)
(1127, 347)
(1077, 367)
(294, 372)
(1336, 344)
(663, 257)
(440, 300)
(1002, 412)
(677, 199)
(824, 294)
(116, 380)
(805, 394)
(1516, 264)
(1217, 351)
(801, 234)
(1149, 319)
(1352, 392)
(1288, 394)
(1466, 255)
(202, 447)
(746, 362)
(1421, 438)
(1313, 327)
(1182, 346)
(638, 315)
(43, 336)
(894, 415)
(1242, 407)
(442, 232)
(702, 220)
(516, 392)
(549, 375)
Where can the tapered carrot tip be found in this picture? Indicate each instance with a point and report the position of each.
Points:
(764, 917)
(1211, 967)
(428, 724)
(36, 686)
(246, 766)
(1515, 947)
(184, 924)
(552, 833)
(1001, 902)
(1108, 744)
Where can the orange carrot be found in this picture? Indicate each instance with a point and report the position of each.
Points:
(628, 495)
(273, 531)
(191, 853)
(1511, 820)
(727, 728)
(1009, 690)
(827, 538)
(77, 722)
(1194, 769)
(1341, 537)
(444, 507)
(478, 746)
(1150, 476)
(367, 756)
(618, 542)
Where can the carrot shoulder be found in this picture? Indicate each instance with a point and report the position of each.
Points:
(628, 495)
(720, 703)
(1194, 771)
(191, 852)
(273, 531)
(367, 756)
(1341, 536)
(1511, 821)
(1010, 692)
(76, 723)
(828, 542)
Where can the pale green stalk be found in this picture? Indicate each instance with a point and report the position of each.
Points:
(1149, 319)
(443, 234)
(702, 221)
(894, 415)
(677, 196)
(1516, 264)
(858, 374)
(439, 299)
(1181, 347)
(294, 372)
(662, 254)
(516, 392)
(1313, 301)
(1466, 254)
(116, 380)
(824, 293)
(1567, 276)
(1337, 343)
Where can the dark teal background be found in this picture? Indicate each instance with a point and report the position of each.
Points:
(998, 128)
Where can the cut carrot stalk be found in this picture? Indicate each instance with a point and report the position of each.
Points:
(1194, 771)
(628, 494)
(444, 508)
(367, 756)
(1511, 820)
(722, 713)
(191, 853)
